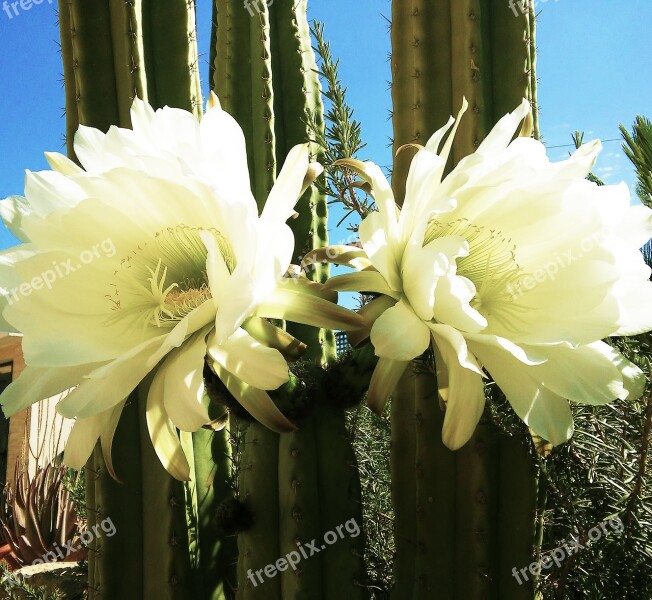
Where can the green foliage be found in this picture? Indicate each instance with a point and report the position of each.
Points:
(75, 483)
(370, 434)
(341, 138)
(600, 473)
(16, 588)
(638, 148)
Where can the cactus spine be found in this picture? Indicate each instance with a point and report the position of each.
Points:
(464, 503)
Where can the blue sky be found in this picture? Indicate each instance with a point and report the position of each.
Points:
(593, 71)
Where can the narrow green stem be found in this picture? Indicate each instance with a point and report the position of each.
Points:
(344, 573)
(476, 511)
(166, 563)
(119, 559)
(67, 56)
(403, 473)
(435, 496)
(213, 477)
(259, 546)
(171, 57)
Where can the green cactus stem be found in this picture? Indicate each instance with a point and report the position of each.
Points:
(259, 546)
(104, 54)
(471, 73)
(67, 56)
(422, 94)
(299, 94)
(403, 475)
(511, 59)
(516, 513)
(299, 510)
(533, 97)
(441, 51)
(344, 572)
(166, 567)
(90, 477)
(476, 534)
(435, 493)
(232, 74)
(214, 485)
(171, 57)
(119, 558)
(90, 42)
(127, 56)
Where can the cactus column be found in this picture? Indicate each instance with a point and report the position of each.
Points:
(265, 74)
(453, 530)
(113, 51)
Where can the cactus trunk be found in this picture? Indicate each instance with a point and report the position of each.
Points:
(435, 495)
(214, 485)
(118, 569)
(458, 525)
(264, 72)
(112, 52)
(259, 546)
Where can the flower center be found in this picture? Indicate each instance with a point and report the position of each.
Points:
(164, 279)
(491, 265)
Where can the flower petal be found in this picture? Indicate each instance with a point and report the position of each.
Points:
(383, 382)
(590, 374)
(216, 269)
(349, 256)
(256, 365)
(12, 211)
(502, 133)
(62, 164)
(293, 305)
(365, 281)
(453, 295)
(268, 334)
(399, 334)
(163, 433)
(257, 402)
(38, 383)
(378, 246)
(546, 413)
(183, 388)
(82, 439)
(464, 393)
(287, 188)
(370, 312)
(107, 435)
(424, 265)
(382, 192)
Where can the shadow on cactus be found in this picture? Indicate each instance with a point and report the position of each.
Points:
(38, 517)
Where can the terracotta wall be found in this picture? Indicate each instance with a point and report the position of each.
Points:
(11, 350)
(36, 434)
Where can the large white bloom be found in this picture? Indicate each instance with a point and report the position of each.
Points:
(155, 257)
(511, 264)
